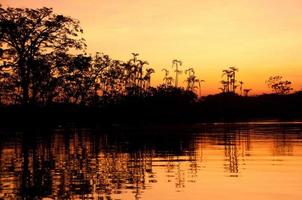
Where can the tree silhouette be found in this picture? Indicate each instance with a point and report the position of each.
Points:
(226, 84)
(140, 72)
(26, 35)
(147, 77)
(278, 85)
(233, 78)
(176, 63)
(190, 71)
(246, 92)
(43, 64)
(166, 72)
(229, 85)
(241, 84)
(168, 80)
(199, 86)
(191, 79)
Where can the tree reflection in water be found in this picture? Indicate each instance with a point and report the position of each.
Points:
(84, 163)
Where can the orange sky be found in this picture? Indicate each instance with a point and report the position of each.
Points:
(260, 37)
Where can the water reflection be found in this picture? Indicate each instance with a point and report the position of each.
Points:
(138, 164)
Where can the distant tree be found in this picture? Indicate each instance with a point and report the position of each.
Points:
(199, 86)
(191, 79)
(165, 83)
(225, 86)
(190, 71)
(135, 81)
(278, 85)
(116, 76)
(140, 66)
(26, 35)
(166, 72)
(241, 84)
(229, 85)
(226, 83)
(246, 92)
(176, 64)
(168, 80)
(233, 78)
(147, 78)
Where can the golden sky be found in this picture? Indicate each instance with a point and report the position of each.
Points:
(260, 37)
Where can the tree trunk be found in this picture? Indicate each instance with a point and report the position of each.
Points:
(24, 79)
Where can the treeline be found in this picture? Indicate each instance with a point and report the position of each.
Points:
(38, 68)
(43, 61)
(44, 71)
(171, 105)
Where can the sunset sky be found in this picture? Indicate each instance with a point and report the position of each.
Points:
(260, 37)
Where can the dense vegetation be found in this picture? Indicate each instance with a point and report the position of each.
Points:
(46, 74)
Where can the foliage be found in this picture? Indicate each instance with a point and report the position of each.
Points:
(229, 85)
(43, 62)
(278, 85)
(26, 37)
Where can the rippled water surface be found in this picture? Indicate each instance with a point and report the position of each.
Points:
(205, 161)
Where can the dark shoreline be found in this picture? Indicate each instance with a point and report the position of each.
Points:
(215, 108)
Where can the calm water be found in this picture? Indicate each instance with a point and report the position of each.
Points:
(237, 161)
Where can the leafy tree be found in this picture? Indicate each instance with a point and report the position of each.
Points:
(27, 35)
(278, 85)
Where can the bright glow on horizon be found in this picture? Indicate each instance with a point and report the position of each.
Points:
(260, 37)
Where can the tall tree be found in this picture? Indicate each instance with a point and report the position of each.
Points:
(167, 79)
(199, 86)
(227, 83)
(176, 63)
(147, 78)
(28, 34)
(241, 88)
(233, 78)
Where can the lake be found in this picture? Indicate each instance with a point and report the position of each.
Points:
(256, 160)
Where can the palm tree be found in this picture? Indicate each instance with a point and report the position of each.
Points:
(147, 77)
(233, 78)
(225, 85)
(222, 89)
(246, 92)
(199, 86)
(135, 55)
(176, 64)
(190, 82)
(169, 81)
(190, 71)
(165, 79)
(140, 67)
(241, 83)
(166, 72)
(132, 70)
(191, 79)
(228, 74)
